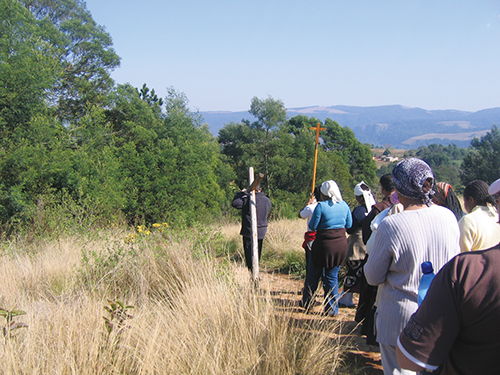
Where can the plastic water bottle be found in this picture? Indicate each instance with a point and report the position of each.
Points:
(425, 281)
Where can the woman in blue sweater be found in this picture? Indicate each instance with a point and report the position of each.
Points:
(330, 219)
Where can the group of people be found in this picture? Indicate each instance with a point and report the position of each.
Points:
(417, 221)
(382, 246)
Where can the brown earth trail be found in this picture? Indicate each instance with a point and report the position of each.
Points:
(285, 290)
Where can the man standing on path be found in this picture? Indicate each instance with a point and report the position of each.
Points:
(241, 201)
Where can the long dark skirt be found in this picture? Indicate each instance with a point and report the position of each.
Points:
(353, 276)
(365, 313)
(329, 248)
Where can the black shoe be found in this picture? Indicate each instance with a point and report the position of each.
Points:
(347, 306)
(307, 306)
(329, 314)
(371, 341)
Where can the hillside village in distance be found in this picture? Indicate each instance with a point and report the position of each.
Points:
(380, 159)
(399, 126)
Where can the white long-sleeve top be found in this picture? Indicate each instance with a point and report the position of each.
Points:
(307, 212)
(404, 241)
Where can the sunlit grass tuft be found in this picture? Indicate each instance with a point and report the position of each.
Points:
(283, 246)
(195, 310)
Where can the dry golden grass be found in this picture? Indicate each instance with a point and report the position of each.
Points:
(193, 313)
(286, 235)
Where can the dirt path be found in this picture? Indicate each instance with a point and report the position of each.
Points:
(286, 293)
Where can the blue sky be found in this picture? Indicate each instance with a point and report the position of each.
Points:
(432, 54)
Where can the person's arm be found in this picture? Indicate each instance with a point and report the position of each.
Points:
(268, 208)
(315, 218)
(404, 361)
(367, 231)
(380, 259)
(355, 224)
(348, 217)
(307, 210)
(429, 335)
(466, 235)
(239, 199)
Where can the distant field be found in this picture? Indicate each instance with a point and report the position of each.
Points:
(377, 154)
(447, 137)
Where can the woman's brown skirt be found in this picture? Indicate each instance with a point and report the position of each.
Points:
(329, 248)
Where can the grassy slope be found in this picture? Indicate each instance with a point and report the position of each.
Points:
(195, 311)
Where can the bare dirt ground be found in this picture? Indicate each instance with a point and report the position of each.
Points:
(286, 294)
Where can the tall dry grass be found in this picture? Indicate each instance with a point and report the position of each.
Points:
(194, 312)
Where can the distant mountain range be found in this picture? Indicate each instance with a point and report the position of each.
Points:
(395, 125)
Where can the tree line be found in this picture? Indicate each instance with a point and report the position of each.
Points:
(78, 150)
(459, 166)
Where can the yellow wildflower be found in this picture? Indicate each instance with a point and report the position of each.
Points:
(156, 225)
(130, 238)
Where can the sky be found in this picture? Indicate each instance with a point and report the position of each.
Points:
(431, 54)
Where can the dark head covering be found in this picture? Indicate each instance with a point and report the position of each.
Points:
(409, 177)
(387, 183)
(317, 193)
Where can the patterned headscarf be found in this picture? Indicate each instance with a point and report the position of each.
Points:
(409, 177)
(441, 192)
(332, 191)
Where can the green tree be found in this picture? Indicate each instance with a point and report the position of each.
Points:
(482, 163)
(270, 114)
(194, 186)
(290, 148)
(33, 166)
(356, 155)
(236, 142)
(384, 169)
(87, 56)
(141, 153)
(332, 167)
(149, 97)
(70, 141)
(445, 162)
(29, 68)
(301, 158)
(168, 161)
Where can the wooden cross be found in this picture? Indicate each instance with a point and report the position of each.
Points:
(253, 220)
(317, 128)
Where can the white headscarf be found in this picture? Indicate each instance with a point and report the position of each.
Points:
(367, 195)
(494, 187)
(332, 191)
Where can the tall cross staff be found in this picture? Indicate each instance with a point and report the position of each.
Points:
(317, 128)
(253, 216)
